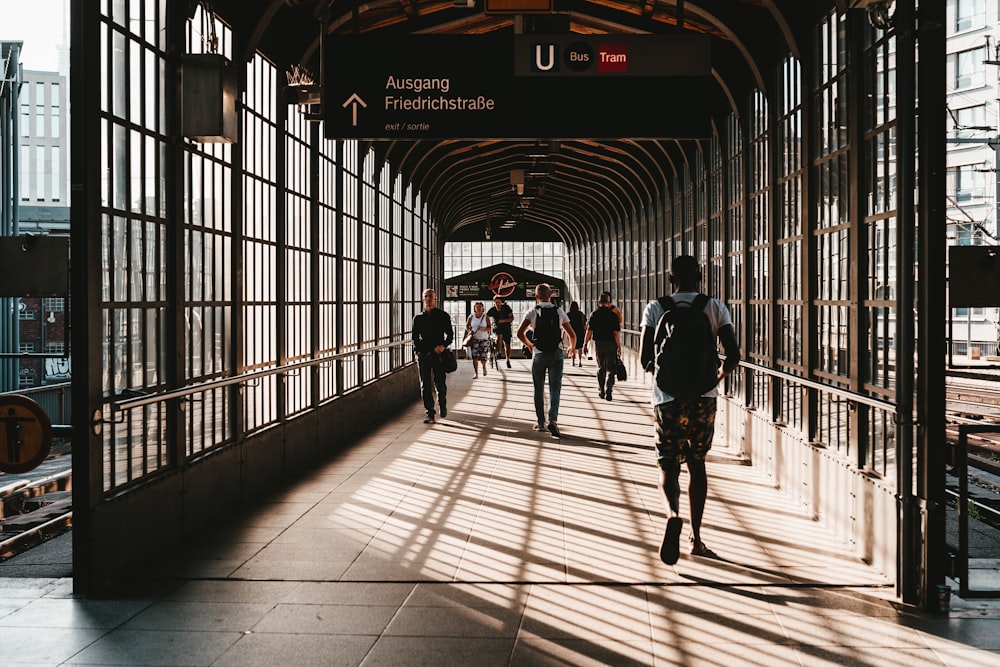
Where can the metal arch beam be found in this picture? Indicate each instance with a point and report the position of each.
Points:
(643, 154)
(782, 22)
(630, 198)
(732, 36)
(733, 107)
(579, 203)
(582, 223)
(263, 23)
(435, 176)
(613, 152)
(581, 162)
(580, 173)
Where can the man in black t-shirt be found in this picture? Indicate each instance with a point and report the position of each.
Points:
(432, 333)
(502, 317)
(604, 328)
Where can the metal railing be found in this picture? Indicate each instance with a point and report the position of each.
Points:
(55, 400)
(140, 401)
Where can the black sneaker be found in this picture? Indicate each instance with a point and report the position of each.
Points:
(601, 393)
(429, 419)
(554, 430)
(508, 363)
(444, 410)
(607, 396)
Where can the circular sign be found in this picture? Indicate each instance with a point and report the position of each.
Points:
(502, 284)
(25, 434)
(579, 56)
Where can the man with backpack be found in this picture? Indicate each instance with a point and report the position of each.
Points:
(547, 322)
(678, 345)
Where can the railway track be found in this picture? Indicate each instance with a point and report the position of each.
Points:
(33, 511)
(976, 402)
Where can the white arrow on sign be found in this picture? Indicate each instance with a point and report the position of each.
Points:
(354, 101)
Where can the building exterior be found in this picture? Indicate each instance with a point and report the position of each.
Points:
(973, 72)
(34, 189)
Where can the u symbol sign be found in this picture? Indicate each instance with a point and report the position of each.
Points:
(545, 57)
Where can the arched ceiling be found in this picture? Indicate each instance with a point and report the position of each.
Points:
(574, 188)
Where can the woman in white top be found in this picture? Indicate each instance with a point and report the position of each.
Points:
(478, 325)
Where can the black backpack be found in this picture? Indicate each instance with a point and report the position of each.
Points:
(548, 329)
(687, 360)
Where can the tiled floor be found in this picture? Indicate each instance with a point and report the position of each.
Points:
(478, 541)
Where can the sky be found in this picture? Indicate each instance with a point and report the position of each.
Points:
(42, 25)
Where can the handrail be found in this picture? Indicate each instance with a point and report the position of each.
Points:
(141, 401)
(812, 384)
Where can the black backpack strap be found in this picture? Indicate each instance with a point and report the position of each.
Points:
(667, 302)
(700, 301)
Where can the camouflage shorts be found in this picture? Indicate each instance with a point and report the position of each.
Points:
(683, 429)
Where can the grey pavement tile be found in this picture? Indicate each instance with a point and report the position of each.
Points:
(477, 595)
(454, 621)
(297, 570)
(233, 591)
(949, 633)
(424, 651)
(855, 656)
(47, 646)
(150, 647)
(355, 593)
(301, 650)
(74, 613)
(968, 657)
(10, 605)
(326, 619)
(24, 587)
(850, 631)
(679, 652)
(537, 652)
(200, 616)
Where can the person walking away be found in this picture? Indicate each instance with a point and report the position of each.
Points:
(503, 316)
(679, 346)
(432, 333)
(579, 324)
(547, 323)
(614, 309)
(605, 330)
(478, 325)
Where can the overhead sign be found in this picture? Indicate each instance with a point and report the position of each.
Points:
(25, 434)
(525, 87)
(612, 55)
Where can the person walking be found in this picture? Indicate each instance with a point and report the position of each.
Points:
(478, 328)
(605, 330)
(614, 309)
(503, 316)
(579, 324)
(432, 333)
(685, 426)
(547, 322)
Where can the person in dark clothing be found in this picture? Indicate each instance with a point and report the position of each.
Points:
(579, 324)
(604, 328)
(502, 317)
(432, 333)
